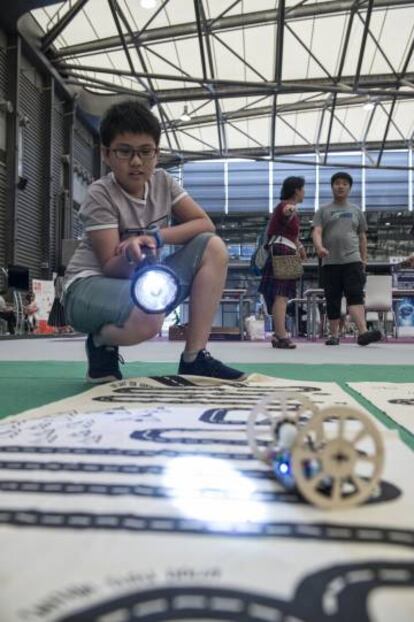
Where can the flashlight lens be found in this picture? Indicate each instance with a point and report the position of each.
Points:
(155, 290)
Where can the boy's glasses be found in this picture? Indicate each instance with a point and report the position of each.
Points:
(127, 153)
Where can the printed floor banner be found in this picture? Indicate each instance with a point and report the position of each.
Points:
(141, 500)
(394, 399)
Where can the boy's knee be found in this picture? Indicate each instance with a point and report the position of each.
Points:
(217, 249)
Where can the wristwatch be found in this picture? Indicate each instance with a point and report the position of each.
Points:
(157, 237)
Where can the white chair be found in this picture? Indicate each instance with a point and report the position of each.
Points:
(378, 301)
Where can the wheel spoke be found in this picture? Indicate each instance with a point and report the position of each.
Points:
(316, 479)
(318, 429)
(337, 489)
(363, 457)
(306, 454)
(359, 436)
(359, 483)
(341, 427)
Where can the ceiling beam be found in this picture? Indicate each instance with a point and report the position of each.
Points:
(392, 107)
(228, 22)
(384, 80)
(55, 31)
(221, 126)
(165, 121)
(338, 78)
(248, 112)
(370, 86)
(278, 66)
(262, 153)
(363, 42)
(375, 85)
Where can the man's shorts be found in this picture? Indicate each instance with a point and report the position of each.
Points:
(94, 301)
(343, 280)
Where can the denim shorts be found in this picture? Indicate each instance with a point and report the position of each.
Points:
(94, 301)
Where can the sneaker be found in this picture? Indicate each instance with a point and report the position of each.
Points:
(370, 336)
(206, 365)
(103, 362)
(332, 341)
(283, 342)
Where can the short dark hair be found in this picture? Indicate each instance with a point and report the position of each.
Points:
(128, 116)
(290, 185)
(341, 175)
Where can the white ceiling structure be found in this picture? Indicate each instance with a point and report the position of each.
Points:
(259, 78)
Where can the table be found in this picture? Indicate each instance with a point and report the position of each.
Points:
(237, 297)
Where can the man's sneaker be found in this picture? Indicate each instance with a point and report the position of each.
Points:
(332, 341)
(206, 365)
(370, 336)
(103, 362)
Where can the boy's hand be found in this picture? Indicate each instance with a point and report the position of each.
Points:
(132, 248)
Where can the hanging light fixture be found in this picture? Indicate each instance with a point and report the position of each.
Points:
(185, 116)
(148, 4)
(369, 104)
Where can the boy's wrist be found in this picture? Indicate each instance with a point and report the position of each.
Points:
(156, 234)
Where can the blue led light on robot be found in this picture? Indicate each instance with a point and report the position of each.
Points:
(154, 287)
(283, 468)
(281, 461)
(281, 465)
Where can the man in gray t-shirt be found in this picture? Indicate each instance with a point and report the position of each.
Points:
(343, 227)
(340, 240)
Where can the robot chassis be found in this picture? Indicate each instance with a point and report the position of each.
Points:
(333, 457)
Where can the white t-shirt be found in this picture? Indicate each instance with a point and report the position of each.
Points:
(108, 206)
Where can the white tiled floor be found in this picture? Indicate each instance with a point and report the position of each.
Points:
(72, 349)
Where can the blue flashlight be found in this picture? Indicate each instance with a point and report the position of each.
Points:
(155, 287)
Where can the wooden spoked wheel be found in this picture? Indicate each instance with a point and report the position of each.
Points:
(269, 412)
(337, 458)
